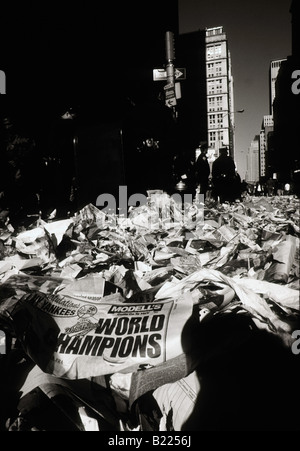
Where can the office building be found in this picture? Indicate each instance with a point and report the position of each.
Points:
(252, 175)
(267, 128)
(286, 107)
(265, 145)
(274, 69)
(220, 99)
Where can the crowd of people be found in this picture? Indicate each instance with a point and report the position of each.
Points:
(221, 182)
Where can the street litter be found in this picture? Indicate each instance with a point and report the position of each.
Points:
(120, 306)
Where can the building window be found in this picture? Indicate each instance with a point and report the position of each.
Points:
(211, 87)
(219, 101)
(211, 103)
(210, 70)
(210, 52)
(214, 51)
(219, 85)
(220, 120)
(218, 50)
(212, 120)
(212, 136)
(218, 68)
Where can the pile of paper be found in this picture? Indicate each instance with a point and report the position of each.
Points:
(120, 302)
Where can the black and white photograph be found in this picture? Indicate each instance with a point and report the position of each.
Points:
(149, 218)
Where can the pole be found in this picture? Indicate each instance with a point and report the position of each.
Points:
(170, 57)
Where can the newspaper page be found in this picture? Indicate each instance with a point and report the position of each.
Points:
(180, 398)
(77, 338)
(149, 379)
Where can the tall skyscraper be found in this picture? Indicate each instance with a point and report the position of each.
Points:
(274, 69)
(267, 128)
(286, 107)
(252, 175)
(220, 98)
(265, 145)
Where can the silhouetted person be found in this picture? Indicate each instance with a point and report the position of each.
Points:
(270, 185)
(202, 171)
(238, 187)
(180, 167)
(183, 170)
(223, 177)
(244, 188)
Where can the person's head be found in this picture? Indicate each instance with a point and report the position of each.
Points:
(223, 151)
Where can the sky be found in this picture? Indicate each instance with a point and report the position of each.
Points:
(258, 31)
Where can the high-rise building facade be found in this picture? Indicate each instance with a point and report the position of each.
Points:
(220, 99)
(267, 128)
(252, 175)
(286, 108)
(274, 69)
(265, 144)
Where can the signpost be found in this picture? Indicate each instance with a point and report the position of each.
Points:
(161, 74)
(170, 95)
(171, 74)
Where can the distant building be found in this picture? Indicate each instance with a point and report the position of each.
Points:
(262, 153)
(266, 147)
(220, 100)
(206, 107)
(252, 174)
(286, 107)
(274, 69)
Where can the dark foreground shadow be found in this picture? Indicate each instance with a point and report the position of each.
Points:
(249, 380)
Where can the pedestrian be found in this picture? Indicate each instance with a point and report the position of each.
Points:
(244, 188)
(183, 171)
(270, 185)
(224, 177)
(258, 189)
(202, 171)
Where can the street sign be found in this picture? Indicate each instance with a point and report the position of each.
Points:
(180, 74)
(161, 74)
(170, 95)
(177, 90)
